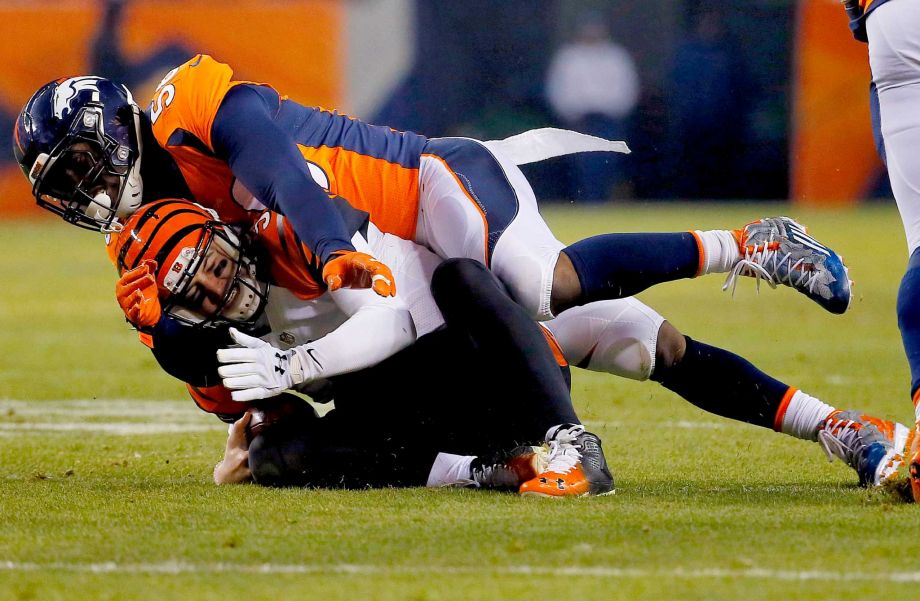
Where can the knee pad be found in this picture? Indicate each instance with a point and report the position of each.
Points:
(527, 273)
(615, 336)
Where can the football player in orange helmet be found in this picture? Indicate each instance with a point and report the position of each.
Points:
(206, 275)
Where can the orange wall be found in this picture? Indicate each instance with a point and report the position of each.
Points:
(833, 156)
(295, 45)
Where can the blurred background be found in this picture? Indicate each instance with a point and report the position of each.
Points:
(731, 100)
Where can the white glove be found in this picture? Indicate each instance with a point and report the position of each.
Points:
(257, 370)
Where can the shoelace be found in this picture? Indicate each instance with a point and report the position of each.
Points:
(754, 263)
(841, 439)
(563, 453)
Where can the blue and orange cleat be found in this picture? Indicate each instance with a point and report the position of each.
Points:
(779, 251)
(575, 467)
(873, 447)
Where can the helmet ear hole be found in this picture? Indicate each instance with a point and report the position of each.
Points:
(40, 161)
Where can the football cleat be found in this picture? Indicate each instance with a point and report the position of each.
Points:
(779, 251)
(575, 467)
(873, 447)
(507, 470)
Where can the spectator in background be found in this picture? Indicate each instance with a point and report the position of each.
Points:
(706, 102)
(592, 87)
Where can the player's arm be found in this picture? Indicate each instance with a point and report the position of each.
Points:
(266, 160)
(377, 328)
(233, 468)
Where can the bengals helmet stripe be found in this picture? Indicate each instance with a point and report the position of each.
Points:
(176, 220)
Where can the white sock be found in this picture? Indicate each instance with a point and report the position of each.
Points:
(450, 470)
(803, 416)
(720, 251)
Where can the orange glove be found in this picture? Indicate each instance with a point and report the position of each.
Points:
(136, 292)
(351, 269)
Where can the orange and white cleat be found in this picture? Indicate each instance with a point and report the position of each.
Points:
(575, 467)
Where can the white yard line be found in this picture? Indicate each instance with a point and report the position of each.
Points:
(120, 417)
(102, 408)
(116, 428)
(174, 567)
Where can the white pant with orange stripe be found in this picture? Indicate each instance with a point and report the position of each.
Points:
(480, 206)
(452, 224)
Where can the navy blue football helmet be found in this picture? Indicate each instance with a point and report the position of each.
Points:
(78, 142)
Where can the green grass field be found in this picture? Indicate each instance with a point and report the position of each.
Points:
(105, 465)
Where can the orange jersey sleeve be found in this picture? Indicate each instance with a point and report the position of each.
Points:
(188, 97)
(182, 114)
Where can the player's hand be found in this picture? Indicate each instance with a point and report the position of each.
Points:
(359, 270)
(257, 370)
(137, 295)
(234, 467)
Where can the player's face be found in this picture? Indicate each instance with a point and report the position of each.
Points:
(221, 286)
(82, 167)
(211, 284)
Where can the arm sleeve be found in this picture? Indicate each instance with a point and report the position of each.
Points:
(371, 335)
(269, 164)
(377, 328)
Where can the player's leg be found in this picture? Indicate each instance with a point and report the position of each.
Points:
(726, 384)
(634, 341)
(894, 56)
(776, 249)
(478, 205)
(528, 386)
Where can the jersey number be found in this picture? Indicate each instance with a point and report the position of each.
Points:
(163, 99)
(164, 96)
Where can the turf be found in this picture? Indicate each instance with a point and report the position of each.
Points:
(105, 486)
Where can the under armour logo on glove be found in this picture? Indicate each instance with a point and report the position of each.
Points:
(257, 370)
(280, 358)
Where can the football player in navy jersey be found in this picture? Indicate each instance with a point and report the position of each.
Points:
(240, 146)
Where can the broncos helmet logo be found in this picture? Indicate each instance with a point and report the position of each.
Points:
(69, 89)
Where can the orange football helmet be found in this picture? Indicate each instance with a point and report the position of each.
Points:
(203, 272)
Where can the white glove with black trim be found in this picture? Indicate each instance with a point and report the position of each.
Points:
(257, 370)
